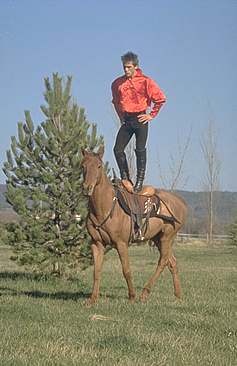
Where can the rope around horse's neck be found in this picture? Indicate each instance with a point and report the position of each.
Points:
(109, 214)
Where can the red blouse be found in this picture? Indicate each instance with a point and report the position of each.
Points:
(137, 94)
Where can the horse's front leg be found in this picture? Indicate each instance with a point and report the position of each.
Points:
(98, 256)
(122, 249)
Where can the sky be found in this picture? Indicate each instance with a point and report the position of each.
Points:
(188, 47)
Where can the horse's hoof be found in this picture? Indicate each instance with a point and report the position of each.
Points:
(90, 302)
(178, 298)
(143, 299)
(132, 300)
(144, 295)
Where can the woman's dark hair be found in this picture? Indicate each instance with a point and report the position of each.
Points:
(130, 57)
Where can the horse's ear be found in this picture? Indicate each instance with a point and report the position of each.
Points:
(84, 152)
(101, 151)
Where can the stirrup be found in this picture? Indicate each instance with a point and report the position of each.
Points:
(139, 235)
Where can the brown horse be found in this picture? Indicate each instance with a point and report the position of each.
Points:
(108, 224)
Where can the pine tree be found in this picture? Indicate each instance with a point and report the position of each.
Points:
(44, 181)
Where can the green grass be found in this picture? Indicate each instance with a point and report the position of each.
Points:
(45, 321)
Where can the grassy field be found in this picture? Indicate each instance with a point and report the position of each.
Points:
(45, 322)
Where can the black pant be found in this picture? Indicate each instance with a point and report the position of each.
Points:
(129, 127)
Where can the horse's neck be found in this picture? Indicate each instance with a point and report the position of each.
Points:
(102, 197)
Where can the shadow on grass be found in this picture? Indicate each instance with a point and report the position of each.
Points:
(25, 276)
(61, 295)
(120, 291)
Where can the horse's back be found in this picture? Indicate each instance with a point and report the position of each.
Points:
(174, 202)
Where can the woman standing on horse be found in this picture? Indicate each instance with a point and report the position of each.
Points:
(133, 93)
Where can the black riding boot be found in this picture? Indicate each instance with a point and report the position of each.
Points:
(141, 169)
(122, 164)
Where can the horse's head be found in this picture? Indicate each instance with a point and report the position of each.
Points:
(92, 166)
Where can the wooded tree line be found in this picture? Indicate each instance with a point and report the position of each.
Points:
(44, 183)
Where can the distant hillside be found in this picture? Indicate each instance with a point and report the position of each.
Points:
(225, 209)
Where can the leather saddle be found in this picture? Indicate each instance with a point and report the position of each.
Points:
(137, 204)
(146, 190)
(140, 206)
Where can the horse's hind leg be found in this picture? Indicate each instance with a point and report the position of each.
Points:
(122, 249)
(164, 243)
(172, 265)
(98, 256)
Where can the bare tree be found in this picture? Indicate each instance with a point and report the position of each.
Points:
(175, 176)
(211, 179)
